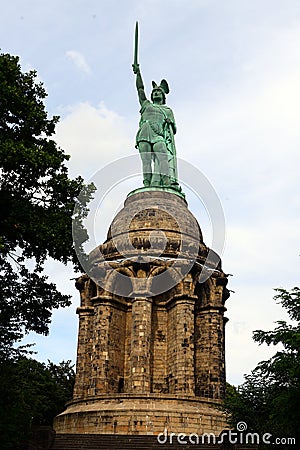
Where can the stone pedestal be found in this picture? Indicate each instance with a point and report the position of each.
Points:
(151, 335)
(141, 414)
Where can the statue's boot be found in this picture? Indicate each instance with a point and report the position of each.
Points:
(155, 180)
(147, 180)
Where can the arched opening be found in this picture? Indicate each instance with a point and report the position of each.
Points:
(122, 285)
(162, 282)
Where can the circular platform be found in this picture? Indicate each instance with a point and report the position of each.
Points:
(141, 414)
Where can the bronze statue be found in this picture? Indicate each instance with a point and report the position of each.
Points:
(155, 137)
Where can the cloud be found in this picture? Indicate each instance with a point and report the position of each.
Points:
(254, 119)
(79, 60)
(93, 136)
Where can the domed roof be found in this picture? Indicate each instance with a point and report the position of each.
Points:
(153, 223)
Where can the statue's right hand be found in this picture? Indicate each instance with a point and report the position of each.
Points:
(136, 68)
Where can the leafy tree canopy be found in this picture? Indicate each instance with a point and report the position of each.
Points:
(268, 401)
(33, 393)
(37, 200)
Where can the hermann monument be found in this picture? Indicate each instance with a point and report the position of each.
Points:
(151, 339)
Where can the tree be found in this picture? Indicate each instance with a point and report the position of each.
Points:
(37, 200)
(269, 399)
(33, 393)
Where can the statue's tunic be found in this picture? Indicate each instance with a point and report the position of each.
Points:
(152, 123)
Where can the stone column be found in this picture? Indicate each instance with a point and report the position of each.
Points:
(185, 342)
(159, 349)
(140, 355)
(100, 352)
(84, 351)
(181, 377)
(209, 352)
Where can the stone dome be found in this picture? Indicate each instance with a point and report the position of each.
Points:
(153, 223)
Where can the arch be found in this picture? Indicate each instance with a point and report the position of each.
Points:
(163, 280)
(120, 285)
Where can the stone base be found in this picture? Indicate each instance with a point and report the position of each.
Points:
(141, 414)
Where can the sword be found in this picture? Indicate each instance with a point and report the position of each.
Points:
(136, 41)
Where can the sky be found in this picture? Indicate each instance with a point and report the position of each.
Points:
(233, 69)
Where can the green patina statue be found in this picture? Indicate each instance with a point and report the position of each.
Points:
(155, 137)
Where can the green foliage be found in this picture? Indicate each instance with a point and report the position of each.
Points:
(33, 393)
(268, 401)
(286, 334)
(37, 201)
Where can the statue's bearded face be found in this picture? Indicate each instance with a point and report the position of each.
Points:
(157, 96)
